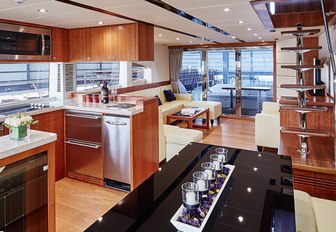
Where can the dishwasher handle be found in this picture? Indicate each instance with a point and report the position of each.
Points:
(116, 123)
(83, 116)
(95, 146)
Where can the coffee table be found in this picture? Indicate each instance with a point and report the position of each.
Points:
(190, 118)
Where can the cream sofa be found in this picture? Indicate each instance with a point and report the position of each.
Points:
(173, 139)
(313, 214)
(182, 100)
(267, 126)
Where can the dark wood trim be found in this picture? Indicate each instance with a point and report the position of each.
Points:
(226, 45)
(141, 87)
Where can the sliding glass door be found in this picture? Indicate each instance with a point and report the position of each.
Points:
(240, 78)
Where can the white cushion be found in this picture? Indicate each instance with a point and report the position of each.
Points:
(325, 214)
(183, 136)
(270, 108)
(304, 212)
(267, 130)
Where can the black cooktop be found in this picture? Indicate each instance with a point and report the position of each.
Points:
(259, 190)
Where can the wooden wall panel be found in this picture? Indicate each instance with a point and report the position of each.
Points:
(144, 143)
(145, 44)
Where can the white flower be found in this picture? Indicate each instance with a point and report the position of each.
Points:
(26, 119)
(8, 121)
(16, 122)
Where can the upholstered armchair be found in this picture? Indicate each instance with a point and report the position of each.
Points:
(267, 126)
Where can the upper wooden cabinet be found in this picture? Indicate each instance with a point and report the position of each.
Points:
(128, 42)
(60, 45)
(80, 44)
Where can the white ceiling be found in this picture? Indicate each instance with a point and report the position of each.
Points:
(211, 11)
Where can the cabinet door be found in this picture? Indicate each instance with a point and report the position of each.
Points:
(54, 122)
(80, 44)
(60, 45)
(101, 47)
(123, 42)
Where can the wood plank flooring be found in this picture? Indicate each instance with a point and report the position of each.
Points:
(79, 204)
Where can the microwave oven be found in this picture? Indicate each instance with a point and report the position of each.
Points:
(24, 43)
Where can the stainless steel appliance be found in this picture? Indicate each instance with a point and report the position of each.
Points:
(84, 143)
(22, 42)
(117, 170)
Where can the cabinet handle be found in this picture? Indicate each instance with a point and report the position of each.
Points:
(116, 123)
(95, 146)
(83, 116)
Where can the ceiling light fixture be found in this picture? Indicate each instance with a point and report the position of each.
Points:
(249, 29)
(259, 37)
(42, 10)
(190, 42)
(263, 41)
(177, 38)
(255, 34)
(19, 1)
(272, 8)
(240, 21)
(100, 23)
(160, 35)
(227, 9)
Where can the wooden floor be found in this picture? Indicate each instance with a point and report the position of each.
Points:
(79, 204)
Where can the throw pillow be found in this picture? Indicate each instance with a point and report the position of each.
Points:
(159, 100)
(169, 95)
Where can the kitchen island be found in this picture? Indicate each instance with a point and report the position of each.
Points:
(27, 183)
(258, 196)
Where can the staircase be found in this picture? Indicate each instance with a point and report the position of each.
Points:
(301, 87)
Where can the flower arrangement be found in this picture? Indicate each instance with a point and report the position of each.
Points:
(19, 126)
(19, 120)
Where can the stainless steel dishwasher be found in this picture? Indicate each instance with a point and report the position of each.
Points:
(117, 152)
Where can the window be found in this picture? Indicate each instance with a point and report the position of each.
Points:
(91, 74)
(23, 81)
(138, 71)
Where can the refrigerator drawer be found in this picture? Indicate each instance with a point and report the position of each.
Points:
(84, 158)
(83, 126)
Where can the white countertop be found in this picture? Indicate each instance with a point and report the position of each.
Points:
(74, 104)
(10, 147)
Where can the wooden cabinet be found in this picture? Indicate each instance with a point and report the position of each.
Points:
(60, 45)
(127, 42)
(54, 122)
(80, 44)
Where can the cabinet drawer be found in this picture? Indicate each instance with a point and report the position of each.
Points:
(84, 158)
(82, 126)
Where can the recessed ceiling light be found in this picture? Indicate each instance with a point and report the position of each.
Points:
(249, 29)
(201, 43)
(233, 37)
(42, 10)
(240, 21)
(177, 38)
(100, 23)
(255, 34)
(160, 35)
(227, 9)
(263, 41)
(259, 38)
(190, 42)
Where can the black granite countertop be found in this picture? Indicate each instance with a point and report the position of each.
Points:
(259, 191)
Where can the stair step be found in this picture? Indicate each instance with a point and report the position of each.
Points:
(306, 109)
(302, 87)
(301, 32)
(304, 133)
(301, 49)
(301, 67)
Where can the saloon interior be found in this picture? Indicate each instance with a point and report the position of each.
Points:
(184, 78)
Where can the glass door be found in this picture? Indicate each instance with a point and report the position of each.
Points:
(221, 71)
(256, 79)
